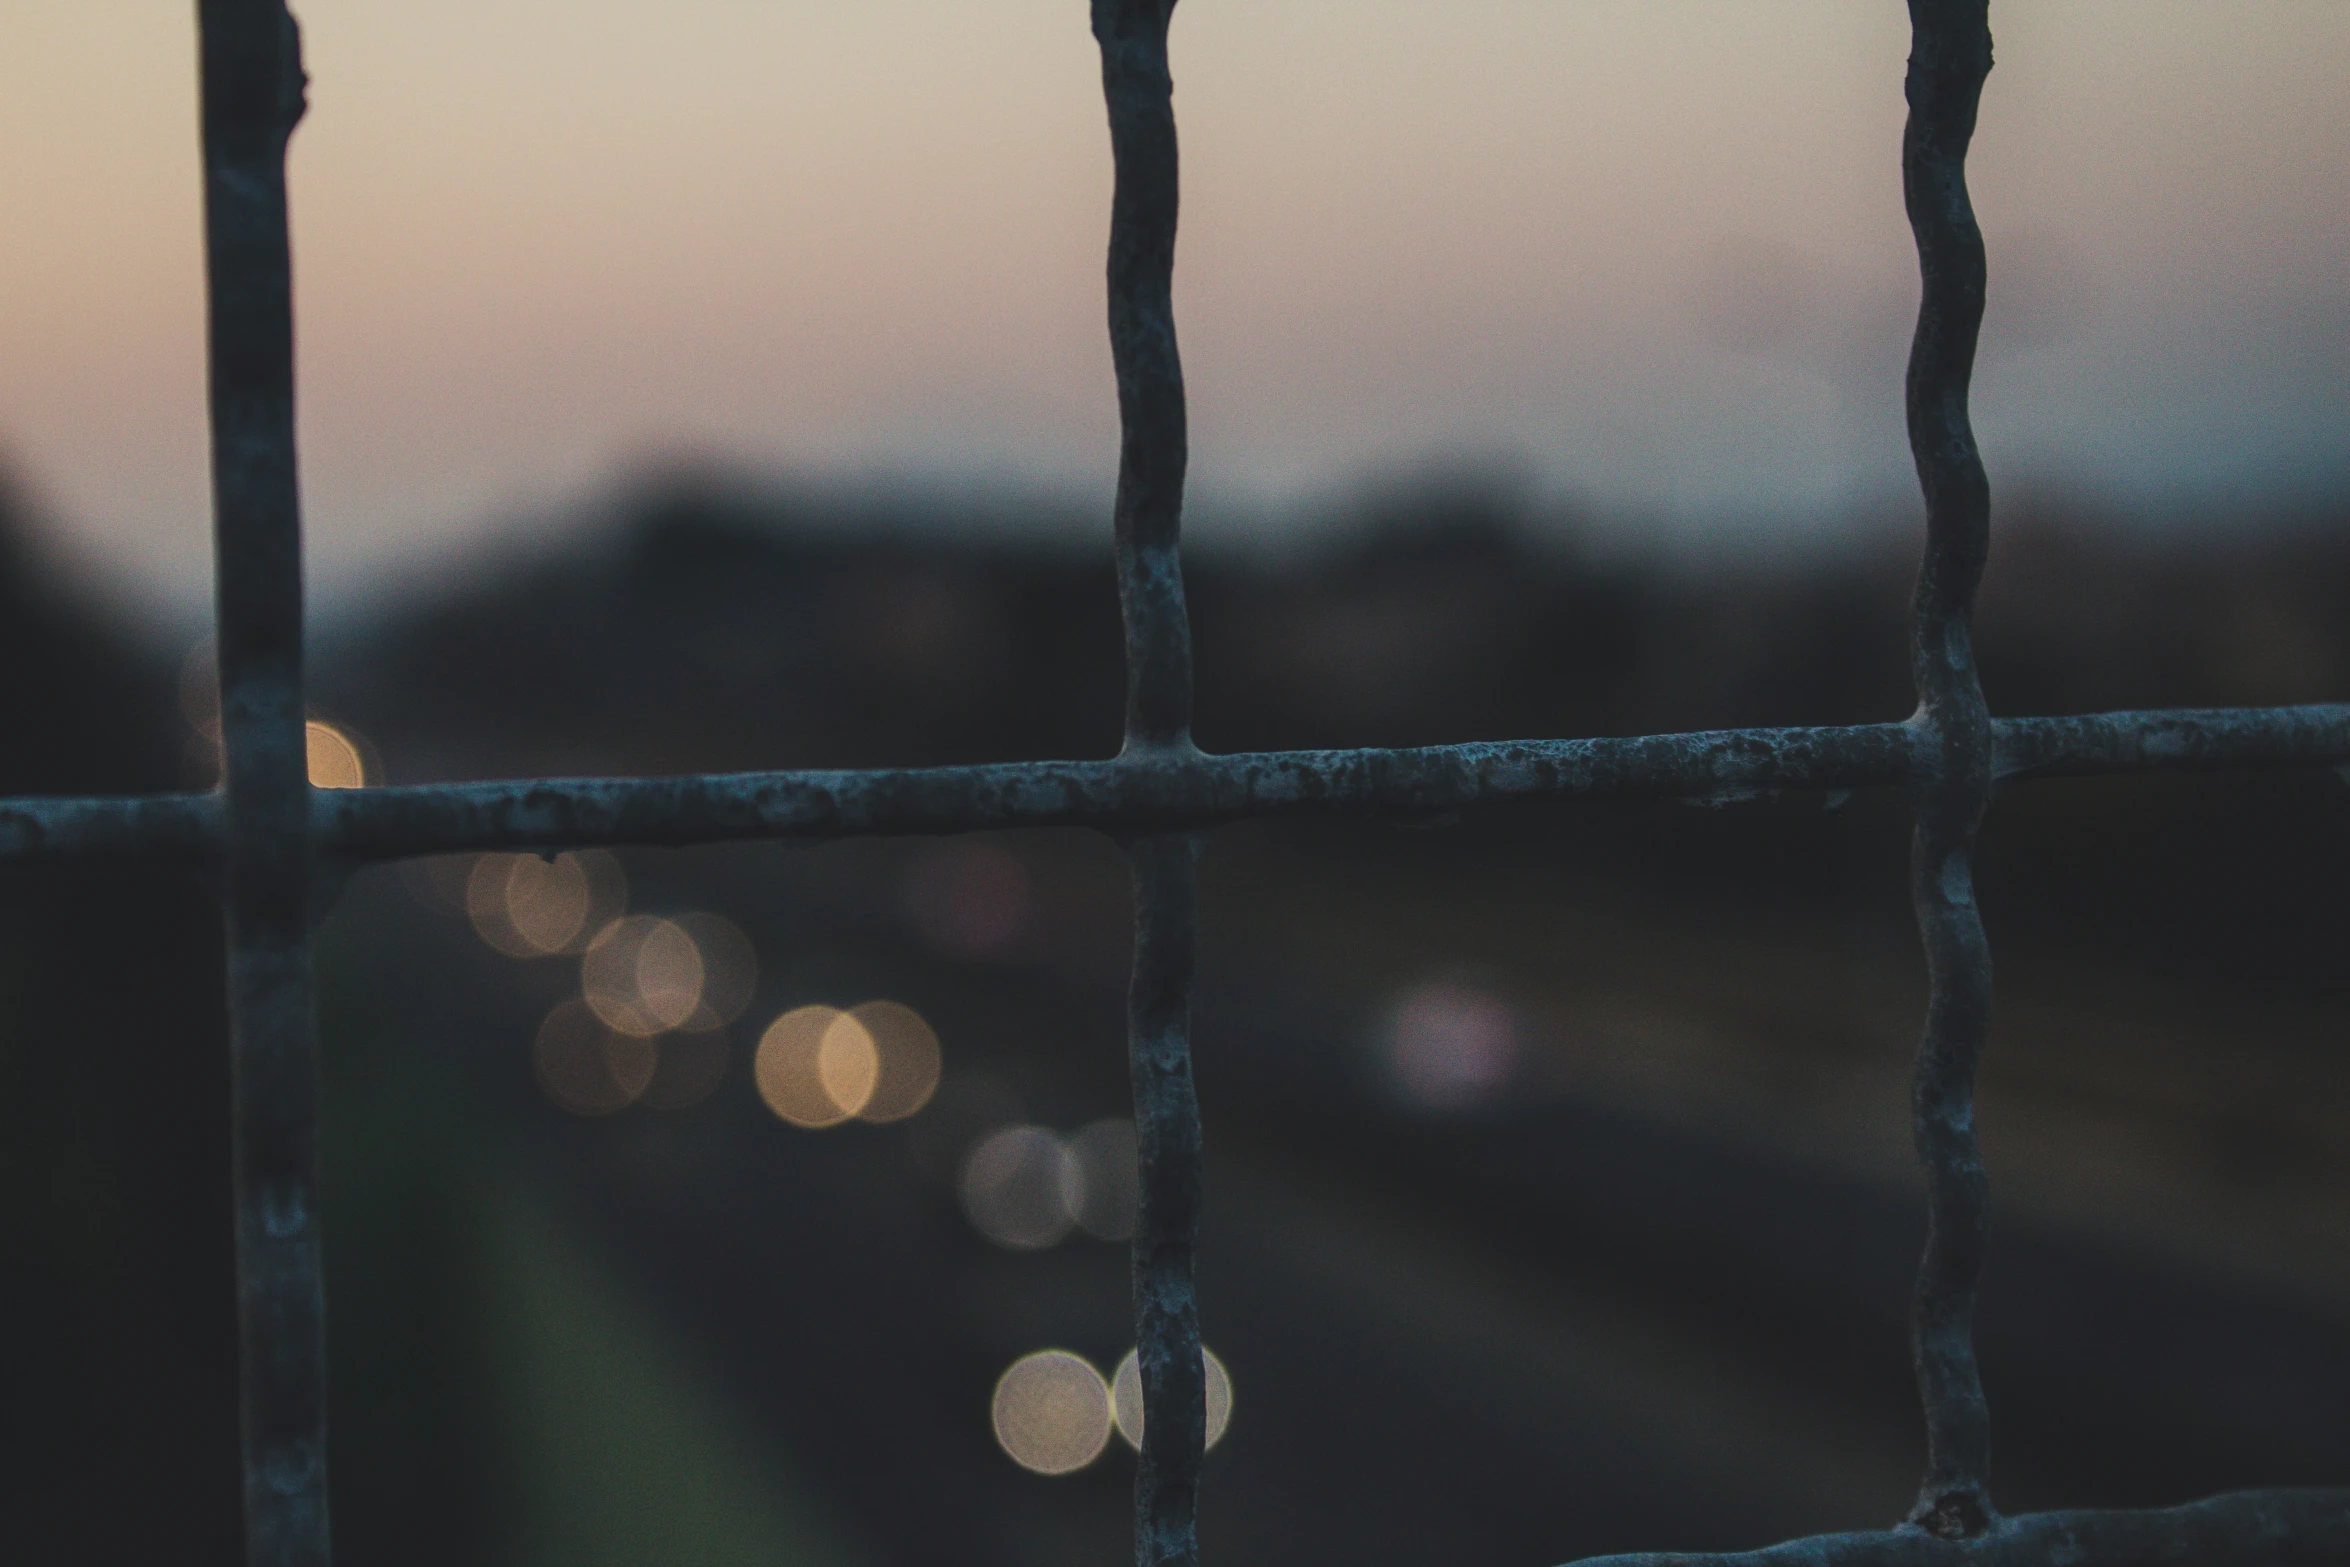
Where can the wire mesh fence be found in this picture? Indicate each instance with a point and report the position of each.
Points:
(278, 847)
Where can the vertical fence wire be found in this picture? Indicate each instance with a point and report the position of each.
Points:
(252, 88)
(1152, 450)
(1950, 55)
(1167, 1124)
(1139, 93)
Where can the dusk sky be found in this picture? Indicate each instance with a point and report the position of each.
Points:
(1649, 253)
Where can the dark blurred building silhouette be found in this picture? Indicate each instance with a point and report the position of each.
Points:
(721, 627)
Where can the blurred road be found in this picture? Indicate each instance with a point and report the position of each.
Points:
(1520, 1331)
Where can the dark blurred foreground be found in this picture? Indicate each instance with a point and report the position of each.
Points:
(1635, 1280)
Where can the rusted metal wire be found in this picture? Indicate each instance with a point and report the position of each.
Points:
(1950, 55)
(1166, 787)
(1167, 1127)
(1138, 90)
(252, 96)
(2282, 1528)
(2176, 739)
(266, 828)
(1152, 449)
(160, 827)
(1189, 789)
(1192, 789)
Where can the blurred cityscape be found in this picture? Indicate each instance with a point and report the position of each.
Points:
(765, 1203)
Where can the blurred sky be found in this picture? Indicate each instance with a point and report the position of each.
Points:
(1650, 252)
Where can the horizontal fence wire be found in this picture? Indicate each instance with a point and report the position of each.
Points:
(2288, 1527)
(1172, 789)
(276, 840)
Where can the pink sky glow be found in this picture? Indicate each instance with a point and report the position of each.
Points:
(1649, 252)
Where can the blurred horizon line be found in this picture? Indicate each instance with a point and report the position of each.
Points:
(1496, 493)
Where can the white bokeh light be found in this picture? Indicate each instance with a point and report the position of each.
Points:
(1052, 1412)
(1126, 1398)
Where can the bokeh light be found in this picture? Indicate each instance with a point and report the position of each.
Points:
(336, 755)
(484, 900)
(1052, 1412)
(847, 1063)
(337, 760)
(1126, 1397)
(1021, 1186)
(906, 1060)
(528, 907)
(689, 1069)
(1450, 1045)
(819, 1066)
(787, 1071)
(643, 975)
(1108, 1184)
(730, 969)
(586, 1066)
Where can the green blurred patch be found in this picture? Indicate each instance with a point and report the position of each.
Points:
(616, 1451)
(498, 1397)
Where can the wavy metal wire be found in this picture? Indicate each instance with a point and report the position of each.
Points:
(1950, 55)
(275, 840)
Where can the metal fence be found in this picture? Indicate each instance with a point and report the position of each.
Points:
(278, 847)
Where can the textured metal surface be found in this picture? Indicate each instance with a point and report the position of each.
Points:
(2281, 1528)
(1192, 789)
(1950, 54)
(1174, 788)
(2179, 739)
(1138, 91)
(1185, 788)
(252, 96)
(266, 828)
(1152, 447)
(1167, 1125)
(163, 827)
(1145, 787)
